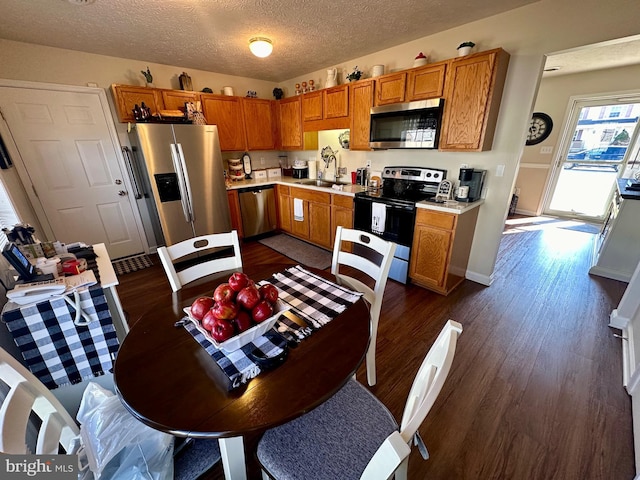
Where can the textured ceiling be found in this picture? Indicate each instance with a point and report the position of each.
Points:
(213, 35)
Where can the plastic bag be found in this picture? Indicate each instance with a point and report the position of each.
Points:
(119, 446)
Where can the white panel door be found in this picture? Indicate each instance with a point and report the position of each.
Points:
(71, 160)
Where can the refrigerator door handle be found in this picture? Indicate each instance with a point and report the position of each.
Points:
(187, 182)
(177, 165)
(132, 174)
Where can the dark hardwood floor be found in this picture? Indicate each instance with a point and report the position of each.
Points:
(535, 391)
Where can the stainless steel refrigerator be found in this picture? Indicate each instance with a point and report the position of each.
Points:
(179, 173)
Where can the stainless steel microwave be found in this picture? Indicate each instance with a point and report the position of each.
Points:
(406, 125)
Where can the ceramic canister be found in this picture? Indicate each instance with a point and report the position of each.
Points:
(228, 91)
(377, 70)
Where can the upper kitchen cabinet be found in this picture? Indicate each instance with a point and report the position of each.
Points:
(426, 82)
(291, 135)
(226, 112)
(175, 99)
(361, 101)
(127, 96)
(391, 88)
(260, 124)
(473, 91)
(326, 109)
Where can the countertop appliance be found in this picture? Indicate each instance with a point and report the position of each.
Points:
(180, 176)
(396, 200)
(258, 210)
(406, 125)
(474, 181)
(301, 171)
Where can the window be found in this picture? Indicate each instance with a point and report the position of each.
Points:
(8, 216)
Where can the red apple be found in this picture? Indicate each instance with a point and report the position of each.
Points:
(269, 293)
(222, 330)
(238, 281)
(262, 311)
(225, 310)
(248, 297)
(208, 320)
(242, 321)
(224, 293)
(201, 306)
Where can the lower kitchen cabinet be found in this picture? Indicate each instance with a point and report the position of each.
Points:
(322, 213)
(234, 210)
(441, 245)
(341, 214)
(285, 208)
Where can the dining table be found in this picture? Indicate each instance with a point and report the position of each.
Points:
(170, 382)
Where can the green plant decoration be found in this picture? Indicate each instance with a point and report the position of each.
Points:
(466, 44)
(355, 75)
(147, 75)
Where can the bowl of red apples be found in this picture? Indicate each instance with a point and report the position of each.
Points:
(238, 312)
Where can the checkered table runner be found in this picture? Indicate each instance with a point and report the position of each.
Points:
(237, 366)
(313, 298)
(56, 350)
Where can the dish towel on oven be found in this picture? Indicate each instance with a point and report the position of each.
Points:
(56, 350)
(313, 298)
(237, 366)
(378, 217)
(298, 211)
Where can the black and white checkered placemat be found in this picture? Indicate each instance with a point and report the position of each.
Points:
(56, 350)
(313, 298)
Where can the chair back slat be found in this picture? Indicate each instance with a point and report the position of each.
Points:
(430, 379)
(26, 396)
(169, 256)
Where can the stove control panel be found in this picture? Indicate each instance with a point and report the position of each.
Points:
(415, 174)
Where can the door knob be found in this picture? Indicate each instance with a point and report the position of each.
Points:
(122, 193)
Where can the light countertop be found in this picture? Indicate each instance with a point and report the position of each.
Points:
(450, 207)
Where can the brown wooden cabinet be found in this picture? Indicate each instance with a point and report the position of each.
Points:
(341, 214)
(291, 134)
(234, 210)
(391, 88)
(225, 112)
(440, 251)
(312, 106)
(285, 208)
(473, 92)
(315, 225)
(127, 96)
(259, 123)
(361, 101)
(426, 82)
(175, 99)
(326, 109)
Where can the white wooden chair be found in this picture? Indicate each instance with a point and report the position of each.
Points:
(22, 394)
(53, 431)
(353, 435)
(378, 273)
(199, 245)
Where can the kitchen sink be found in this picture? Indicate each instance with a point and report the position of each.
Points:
(319, 183)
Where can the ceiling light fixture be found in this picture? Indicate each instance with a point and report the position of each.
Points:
(260, 46)
(81, 2)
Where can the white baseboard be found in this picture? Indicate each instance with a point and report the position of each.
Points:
(607, 273)
(486, 280)
(526, 212)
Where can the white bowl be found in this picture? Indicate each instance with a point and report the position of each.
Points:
(240, 340)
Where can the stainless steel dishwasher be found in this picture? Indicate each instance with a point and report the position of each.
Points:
(258, 210)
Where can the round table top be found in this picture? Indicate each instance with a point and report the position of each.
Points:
(168, 381)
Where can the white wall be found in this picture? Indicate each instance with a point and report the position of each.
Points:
(553, 99)
(527, 33)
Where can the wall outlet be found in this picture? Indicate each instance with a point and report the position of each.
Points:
(500, 171)
(368, 163)
(546, 150)
(261, 160)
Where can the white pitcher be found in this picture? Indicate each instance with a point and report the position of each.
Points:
(332, 77)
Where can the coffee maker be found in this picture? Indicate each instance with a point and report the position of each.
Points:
(472, 180)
